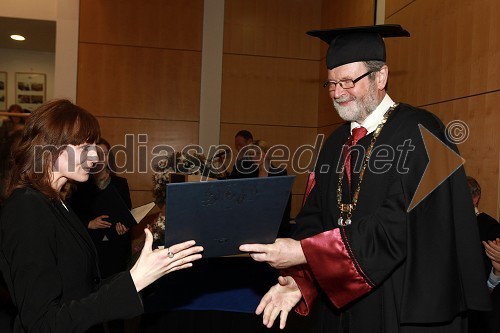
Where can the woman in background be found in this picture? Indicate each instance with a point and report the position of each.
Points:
(46, 255)
(112, 241)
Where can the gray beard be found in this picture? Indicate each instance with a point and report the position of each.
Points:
(361, 108)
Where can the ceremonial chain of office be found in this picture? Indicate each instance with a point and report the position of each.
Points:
(346, 210)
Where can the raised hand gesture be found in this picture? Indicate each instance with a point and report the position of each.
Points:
(279, 300)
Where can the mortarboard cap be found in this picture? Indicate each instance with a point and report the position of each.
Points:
(357, 43)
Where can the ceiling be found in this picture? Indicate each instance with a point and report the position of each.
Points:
(40, 35)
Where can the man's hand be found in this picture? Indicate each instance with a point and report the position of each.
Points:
(283, 253)
(279, 300)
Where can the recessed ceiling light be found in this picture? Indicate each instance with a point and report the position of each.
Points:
(17, 37)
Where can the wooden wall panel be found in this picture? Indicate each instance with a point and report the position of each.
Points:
(142, 197)
(271, 91)
(139, 82)
(338, 14)
(271, 28)
(445, 58)
(393, 6)
(139, 71)
(480, 150)
(176, 134)
(170, 24)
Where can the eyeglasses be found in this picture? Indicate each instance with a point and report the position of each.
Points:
(345, 84)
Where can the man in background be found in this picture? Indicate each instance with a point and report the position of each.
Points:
(242, 139)
(489, 232)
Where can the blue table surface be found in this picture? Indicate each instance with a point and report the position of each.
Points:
(227, 284)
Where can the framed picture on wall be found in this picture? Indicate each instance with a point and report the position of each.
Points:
(30, 90)
(3, 91)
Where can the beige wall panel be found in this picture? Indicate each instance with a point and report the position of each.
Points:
(173, 24)
(257, 90)
(176, 134)
(139, 82)
(271, 28)
(481, 150)
(445, 59)
(393, 6)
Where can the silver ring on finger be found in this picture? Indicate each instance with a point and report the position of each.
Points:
(170, 254)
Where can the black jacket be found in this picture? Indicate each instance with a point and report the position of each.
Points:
(49, 264)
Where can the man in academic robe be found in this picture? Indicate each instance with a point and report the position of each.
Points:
(369, 254)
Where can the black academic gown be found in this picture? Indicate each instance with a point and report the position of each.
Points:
(49, 264)
(390, 270)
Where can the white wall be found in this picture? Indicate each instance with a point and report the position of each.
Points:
(27, 62)
(63, 77)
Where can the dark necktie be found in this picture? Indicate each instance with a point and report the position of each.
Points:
(357, 134)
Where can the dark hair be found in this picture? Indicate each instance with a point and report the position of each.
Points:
(475, 189)
(48, 131)
(15, 108)
(245, 134)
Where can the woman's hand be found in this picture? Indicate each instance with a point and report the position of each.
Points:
(99, 223)
(152, 265)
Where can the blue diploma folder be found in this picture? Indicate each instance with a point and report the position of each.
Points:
(221, 215)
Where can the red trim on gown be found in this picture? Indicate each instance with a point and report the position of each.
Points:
(330, 264)
(311, 181)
